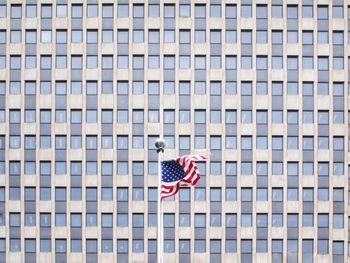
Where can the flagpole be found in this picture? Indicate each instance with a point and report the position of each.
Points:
(160, 145)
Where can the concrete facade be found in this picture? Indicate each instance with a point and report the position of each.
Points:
(258, 86)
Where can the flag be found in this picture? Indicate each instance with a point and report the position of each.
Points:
(179, 172)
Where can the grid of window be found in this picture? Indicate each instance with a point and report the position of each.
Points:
(258, 87)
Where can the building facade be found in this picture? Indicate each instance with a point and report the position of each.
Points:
(260, 87)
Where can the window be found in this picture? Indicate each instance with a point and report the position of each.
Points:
(184, 10)
(138, 34)
(75, 116)
(16, 11)
(107, 36)
(338, 10)
(138, 11)
(107, 116)
(46, 36)
(200, 223)
(76, 62)
(61, 62)
(307, 10)
(169, 15)
(77, 11)
(215, 10)
(30, 10)
(15, 36)
(122, 246)
(15, 62)
(92, 10)
(91, 246)
(46, 11)
(3, 10)
(30, 36)
(123, 36)
(123, 10)
(246, 250)
(91, 37)
(246, 37)
(15, 116)
(45, 62)
(77, 36)
(338, 251)
(137, 87)
(107, 11)
(246, 9)
(15, 87)
(123, 61)
(153, 10)
(61, 10)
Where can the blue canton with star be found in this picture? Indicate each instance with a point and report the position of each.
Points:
(172, 171)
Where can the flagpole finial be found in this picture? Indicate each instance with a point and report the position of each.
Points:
(160, 145)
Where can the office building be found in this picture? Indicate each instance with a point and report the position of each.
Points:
(260, 87)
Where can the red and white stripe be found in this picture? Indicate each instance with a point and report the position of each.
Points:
(187, 162)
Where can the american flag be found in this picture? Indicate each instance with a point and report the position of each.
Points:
(179, 172)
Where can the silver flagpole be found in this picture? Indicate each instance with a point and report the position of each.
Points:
(160, 144)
